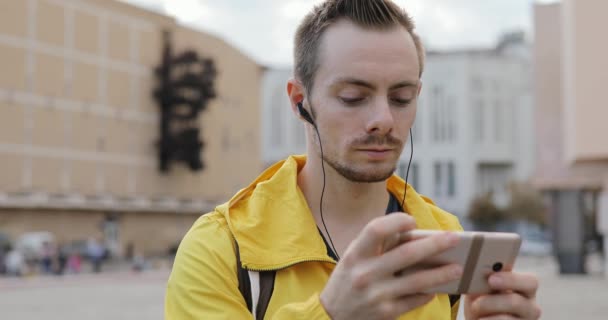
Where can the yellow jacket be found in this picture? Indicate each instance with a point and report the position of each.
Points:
(271, 222)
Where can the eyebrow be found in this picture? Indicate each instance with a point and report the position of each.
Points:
(362, 83)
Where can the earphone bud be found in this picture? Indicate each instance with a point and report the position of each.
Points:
(305, 114)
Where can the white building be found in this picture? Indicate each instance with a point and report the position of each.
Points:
(474, 128)
(282, 133)
(473, 132)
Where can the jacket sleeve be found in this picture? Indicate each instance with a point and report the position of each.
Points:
(204, 285)
(309, 309)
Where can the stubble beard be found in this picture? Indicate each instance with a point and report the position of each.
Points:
(354, 175)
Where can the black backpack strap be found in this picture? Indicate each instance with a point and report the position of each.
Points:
(243, 276)
(266, 285)
(266, 289)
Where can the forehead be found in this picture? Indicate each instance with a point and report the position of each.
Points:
(374, 55)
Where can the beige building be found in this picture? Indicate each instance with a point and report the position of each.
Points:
(571, 73)
(78, 124)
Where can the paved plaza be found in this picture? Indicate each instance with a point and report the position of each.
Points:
(124, 295)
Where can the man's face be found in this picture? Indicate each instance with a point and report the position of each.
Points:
(364, 99)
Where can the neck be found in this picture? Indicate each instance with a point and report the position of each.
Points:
(343, 200)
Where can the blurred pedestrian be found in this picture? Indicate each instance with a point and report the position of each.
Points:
(61, 260)
(48, 255)
(139, 262)
(96, 253)
(15, 263)
(74, 263)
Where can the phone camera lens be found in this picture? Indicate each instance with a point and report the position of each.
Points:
(497, 266)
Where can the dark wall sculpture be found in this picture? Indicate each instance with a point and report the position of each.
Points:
(185, 88)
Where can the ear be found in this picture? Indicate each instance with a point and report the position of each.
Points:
(419, 87)
(295, 92)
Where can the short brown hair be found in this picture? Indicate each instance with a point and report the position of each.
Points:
(373, 14)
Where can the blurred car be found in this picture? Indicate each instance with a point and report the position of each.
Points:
(31, 244)
(536, 245)
(536, 248)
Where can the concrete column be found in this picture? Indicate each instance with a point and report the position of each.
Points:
(568, 230)
(603, 223)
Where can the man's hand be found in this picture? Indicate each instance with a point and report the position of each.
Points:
(364, 284)
(514, 298)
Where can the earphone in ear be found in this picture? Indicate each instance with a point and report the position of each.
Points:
(305, 114)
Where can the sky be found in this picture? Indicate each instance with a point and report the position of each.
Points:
(264, 29)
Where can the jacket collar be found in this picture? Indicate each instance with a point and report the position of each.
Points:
(272, 223)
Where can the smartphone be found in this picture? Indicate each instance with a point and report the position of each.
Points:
(479, 253)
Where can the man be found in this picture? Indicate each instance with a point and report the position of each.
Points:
(357, 79)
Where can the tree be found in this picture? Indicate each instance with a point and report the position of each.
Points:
(526, 204)
(484, 214)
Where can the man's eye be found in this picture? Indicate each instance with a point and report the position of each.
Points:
(351, 101)
(402, 102)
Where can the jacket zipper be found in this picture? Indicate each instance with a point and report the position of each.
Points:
(288, 265)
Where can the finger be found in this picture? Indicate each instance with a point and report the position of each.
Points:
(393, 241)
(415, 251)
(508, 304)
(419, 281)
(371, 241)
(524, 283)
(472, 297)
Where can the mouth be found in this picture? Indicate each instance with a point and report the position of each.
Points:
(376, 149)
(377, 153)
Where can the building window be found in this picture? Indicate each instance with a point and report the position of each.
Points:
(442, 117)
(438, 179)
(499, 121)
(479, 120)
(451, 179)
(437, 115)
(451, 109)
(493, 178)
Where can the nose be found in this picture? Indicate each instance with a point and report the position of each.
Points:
(381, 120)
